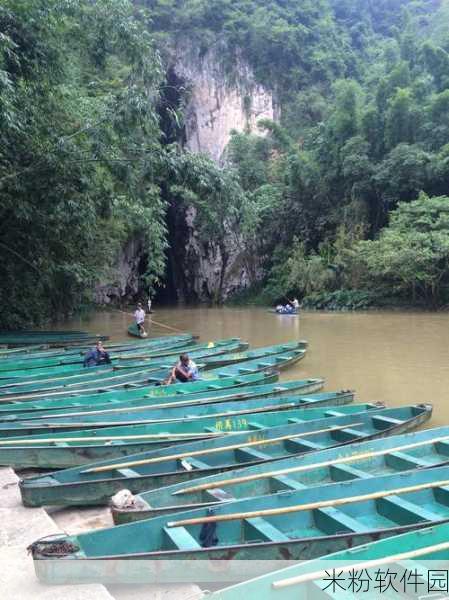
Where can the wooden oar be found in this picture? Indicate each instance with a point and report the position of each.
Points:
(259, 442)
(327, 463)
(310, 506)
(361, 566)
(263, 409)
(103, 438)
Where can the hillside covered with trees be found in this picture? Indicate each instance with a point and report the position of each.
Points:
(345, 200)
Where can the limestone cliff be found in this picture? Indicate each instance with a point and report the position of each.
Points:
(220, 99)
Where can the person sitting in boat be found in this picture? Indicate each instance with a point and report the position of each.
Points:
(139, 316)
(185, 370)
(97, 356)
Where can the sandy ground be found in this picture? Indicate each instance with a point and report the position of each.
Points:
(21, 526)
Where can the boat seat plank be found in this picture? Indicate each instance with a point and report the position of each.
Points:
(442, 447)
(383, 422)
(241, 370)
(193, 462)
(180, 538)
(282, 482)
(280, 388)
(333, 521)
(345, 435)
(441, 494)
(258, 527)
(346, 472)
(256, 425)
(303, 445)
(250, 454)
(401, 460)
(128, 473)
(403, 511)
(218, 494)
(295, 420)
(264, 364)
(334, 413)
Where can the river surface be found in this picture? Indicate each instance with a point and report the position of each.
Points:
(394, 357)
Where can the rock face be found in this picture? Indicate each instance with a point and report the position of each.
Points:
(219, 101)
(123, 281)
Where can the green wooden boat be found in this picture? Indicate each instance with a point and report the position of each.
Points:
(57, 449)
(168, 414)
(298, 525)
(237, 357)
(177, 389)
(35, 363)
(63, 373)
(273, 362)
(420, 450)
(97, 482)
(80, 405)
(424, 552)
(133, 331)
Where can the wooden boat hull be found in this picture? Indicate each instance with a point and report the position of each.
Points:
(36, 362)
(67, 453)
(78, 487)
(274, 362)
(153, 391)
(238, 357)
(301, 525)
(58, 376)
(84, 405)
(244, 411)
(134, 331)
(308, 580)
(420, 450)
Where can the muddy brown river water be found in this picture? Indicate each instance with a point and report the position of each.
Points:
(395, 357)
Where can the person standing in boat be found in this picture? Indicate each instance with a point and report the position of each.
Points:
(295, 304)
(139, 316)
(149, 304)
(97, 356)
(185, 370)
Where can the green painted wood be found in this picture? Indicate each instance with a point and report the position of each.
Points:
(87, 448)
(305, 534)
(318, 468)
(77, 486)
(134, 401)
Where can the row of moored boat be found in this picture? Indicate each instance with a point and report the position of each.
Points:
(236, 464)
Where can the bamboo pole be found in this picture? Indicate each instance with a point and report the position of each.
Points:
(369, 564)
(216, 450)
(309, 506)
(104, 438)
(302, 468)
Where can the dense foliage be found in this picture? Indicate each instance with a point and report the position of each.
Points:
(344, 202)
(364, 92)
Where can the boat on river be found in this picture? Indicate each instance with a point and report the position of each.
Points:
(81, 405)
(55, 376)
(138, 392)
(237, 357)
(59, 449)
(418, 450)
(14, 339)
(134, 331)
(13, 364)
(172, 413)
(406, 556)
(97, 482)
(142, 377)
(298, 525)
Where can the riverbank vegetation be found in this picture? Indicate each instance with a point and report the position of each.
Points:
(344, 202)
